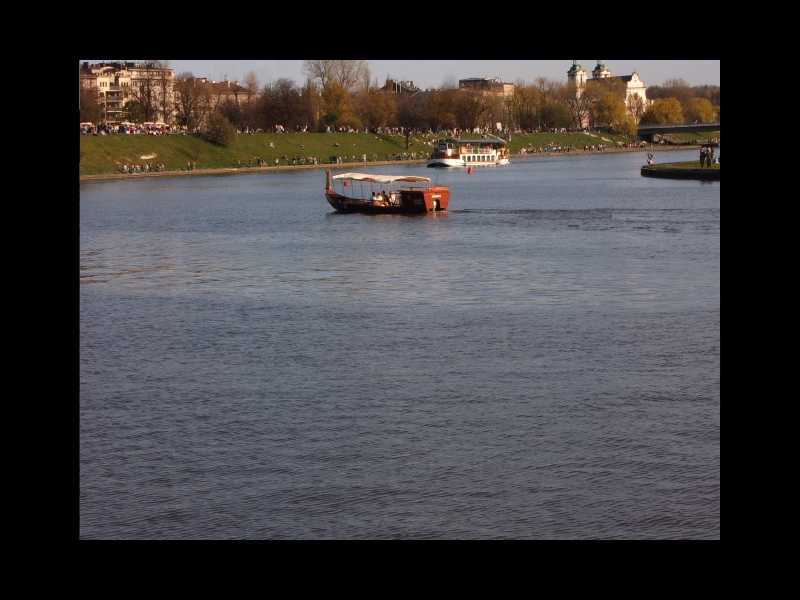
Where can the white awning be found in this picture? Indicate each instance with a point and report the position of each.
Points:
(374, 178)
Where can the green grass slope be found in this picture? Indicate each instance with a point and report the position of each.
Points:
(105, 154)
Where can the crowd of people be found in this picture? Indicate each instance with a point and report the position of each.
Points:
(142, 168)
(131, 129)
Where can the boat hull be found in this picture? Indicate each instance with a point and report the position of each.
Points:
(411, 202)
(446, 162)
(457, 162)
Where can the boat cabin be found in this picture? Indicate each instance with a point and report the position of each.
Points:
(475, 151)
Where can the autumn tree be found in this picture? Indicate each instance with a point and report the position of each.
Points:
(375, 108)
(554, 113)
(525, 104)
(610, 110)
(664, 111)
(628, 126)
(699, 110)
(338, 107)
(439, 110)
(411, 113)
(471, 108)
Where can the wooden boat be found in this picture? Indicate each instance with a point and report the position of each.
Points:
(373, 194)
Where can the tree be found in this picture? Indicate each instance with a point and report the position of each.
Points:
(233, 112)
(280, 104)
(90, 110)
(700, 110)
(555, 114)
(628, 126)
(150, 91)
(711, 92)
(311, 105)
(410, 113)
(579, 105)
(664, 111)
(471, 108)
(338, 108)
(375, 108)
(251, 83)
(136, 111)
(346, 73)
(191, 100)
(219, 130)
(439, 110)
(609, 110)
(636, 107)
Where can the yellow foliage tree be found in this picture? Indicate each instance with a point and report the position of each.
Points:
(664, 111)
(700, 110)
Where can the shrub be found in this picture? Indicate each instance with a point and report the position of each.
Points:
(219, 130)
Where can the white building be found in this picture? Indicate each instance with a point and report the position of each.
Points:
(635, 89)
(118, 83)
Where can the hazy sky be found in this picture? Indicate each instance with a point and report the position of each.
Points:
(431, 73)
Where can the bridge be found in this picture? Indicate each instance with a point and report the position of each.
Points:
(648, 131)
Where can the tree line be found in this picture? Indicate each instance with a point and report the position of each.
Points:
(341, 94)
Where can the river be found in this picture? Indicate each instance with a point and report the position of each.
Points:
(540, 362)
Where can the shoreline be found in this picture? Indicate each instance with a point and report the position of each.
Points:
(378, 163)
(676, 171)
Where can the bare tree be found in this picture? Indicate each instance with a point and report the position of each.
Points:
(636, 107)
(150, 90)
(449, 83)
(347, 73)
(251, 83)
(471, 108)
(191, 97)
(319, 70)
(579, 104)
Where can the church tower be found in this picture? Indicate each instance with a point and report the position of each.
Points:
(600, 71)
(577, 75)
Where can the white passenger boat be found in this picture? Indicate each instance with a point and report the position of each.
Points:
(482, 152)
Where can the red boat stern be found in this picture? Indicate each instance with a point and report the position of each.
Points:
(437, 198)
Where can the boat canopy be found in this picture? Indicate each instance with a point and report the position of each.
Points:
(374, 178)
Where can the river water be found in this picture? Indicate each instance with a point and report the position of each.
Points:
(541, 362)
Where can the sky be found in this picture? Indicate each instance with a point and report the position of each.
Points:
(432, 73)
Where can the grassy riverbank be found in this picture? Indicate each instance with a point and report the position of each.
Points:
(682, 170)
(106, 154)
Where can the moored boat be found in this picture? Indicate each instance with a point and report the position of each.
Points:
(470, 153)
(374, 194)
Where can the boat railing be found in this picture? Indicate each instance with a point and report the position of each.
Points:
(468, 150)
